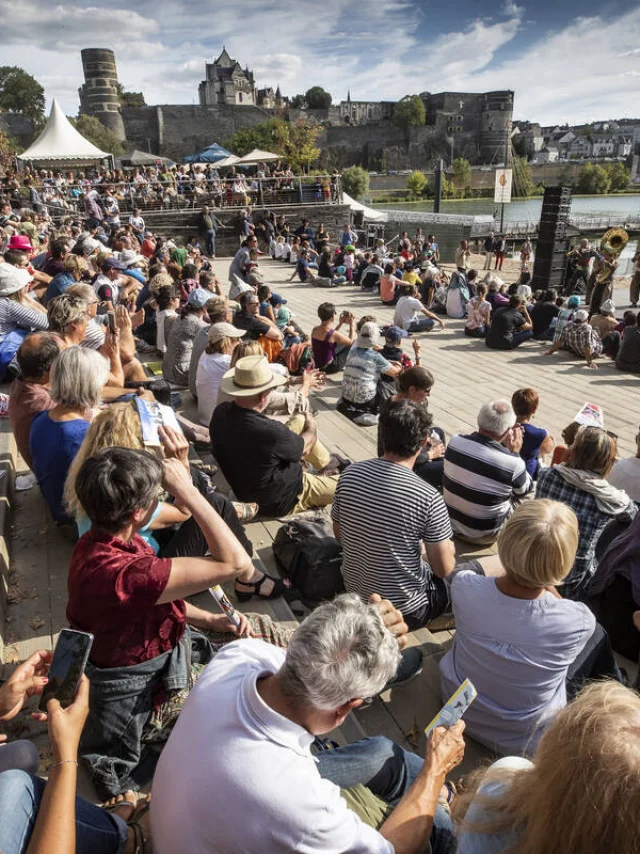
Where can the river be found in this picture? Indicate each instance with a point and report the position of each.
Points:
(529, 209)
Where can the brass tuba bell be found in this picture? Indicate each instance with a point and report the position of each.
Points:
(613, 241)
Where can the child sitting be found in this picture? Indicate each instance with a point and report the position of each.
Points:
(535, 440)
(392, 351)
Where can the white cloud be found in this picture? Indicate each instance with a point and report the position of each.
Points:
(378, 50)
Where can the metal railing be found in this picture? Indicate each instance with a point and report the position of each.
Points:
(186, 192)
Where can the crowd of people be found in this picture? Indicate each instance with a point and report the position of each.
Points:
(104, 329)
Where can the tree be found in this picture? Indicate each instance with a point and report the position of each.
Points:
(8, 150)
(130, 99)
(619, 176)
(417, 183)
(317, 98)
(355, 181)
(20, 93)
(300, 147)
(523, 181)
(93, 130)
(593, 180)
(461, 172)
(409, 112)
(269, 136)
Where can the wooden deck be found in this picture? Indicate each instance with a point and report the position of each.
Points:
(467, 374)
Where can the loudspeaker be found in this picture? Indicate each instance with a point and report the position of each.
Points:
(552, 245)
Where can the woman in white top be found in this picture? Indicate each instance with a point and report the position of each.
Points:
(525, 648)
(213, 364)
(168, 302)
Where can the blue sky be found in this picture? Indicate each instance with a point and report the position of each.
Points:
(566, 61)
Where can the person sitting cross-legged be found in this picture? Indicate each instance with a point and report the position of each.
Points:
(238, 773)
(261, 458)
(382, 537)
(580, 338)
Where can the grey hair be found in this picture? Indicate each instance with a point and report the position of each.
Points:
(77, 377)
(65, 310)
(341, 651)
(496, 417)
(83, 291)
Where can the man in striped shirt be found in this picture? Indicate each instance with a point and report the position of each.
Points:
(382, 515)
(484, 475)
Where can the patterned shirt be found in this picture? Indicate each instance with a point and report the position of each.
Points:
(361, 374)
(578, 336)
(591, 523)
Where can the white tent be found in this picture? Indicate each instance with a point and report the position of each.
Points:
(258, 156)
(61, 143)
(219, 164)
(369, 213)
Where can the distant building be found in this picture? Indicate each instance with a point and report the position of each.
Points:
(548, 154)
(226, 82)
(581, 147)
(529, 138)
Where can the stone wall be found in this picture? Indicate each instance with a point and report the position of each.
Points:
(382, 147)
(178, 130)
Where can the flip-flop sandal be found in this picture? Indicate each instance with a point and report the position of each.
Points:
(279, 587)
(247, 512)
(123, 803)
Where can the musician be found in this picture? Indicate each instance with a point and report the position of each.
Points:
(581, 257)
(603, 289)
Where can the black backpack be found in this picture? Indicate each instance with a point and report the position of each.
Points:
(310, 556)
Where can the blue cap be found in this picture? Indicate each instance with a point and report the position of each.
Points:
(574, 301)
(393, 334)
(199, 298)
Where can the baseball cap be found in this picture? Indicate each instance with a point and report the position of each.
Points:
(199, 297)
(393, 334)
(218, 331)
(573, 301)
(112, 264)
(369, 335)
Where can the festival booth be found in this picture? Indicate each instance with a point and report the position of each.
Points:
(143, 158)
(257, 156)
(60, 146)
(211, 154)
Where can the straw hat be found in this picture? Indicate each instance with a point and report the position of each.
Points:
(251, 375)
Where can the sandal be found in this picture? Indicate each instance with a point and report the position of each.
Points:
(246, 512)
(140, 839)
(125, 802)
(279, 586)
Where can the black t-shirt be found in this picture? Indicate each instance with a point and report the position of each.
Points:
(541, 316)
(260, 458)
(254, 326)
(504, 323)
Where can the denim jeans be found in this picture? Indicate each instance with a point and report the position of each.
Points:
(210, 239)
(424, 324)
(97, 831)
(389, 771)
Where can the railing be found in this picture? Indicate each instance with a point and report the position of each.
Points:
(186, 192)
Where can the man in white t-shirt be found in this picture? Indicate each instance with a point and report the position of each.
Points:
(213, 365)
(409, 310)
(625, 474)
(238, 773)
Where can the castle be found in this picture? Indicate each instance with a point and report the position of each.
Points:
(472, 125)
(226, 82)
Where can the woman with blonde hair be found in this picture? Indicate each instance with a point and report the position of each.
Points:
(524, 647)
(171, 532)
(581, 483)
(580, 795)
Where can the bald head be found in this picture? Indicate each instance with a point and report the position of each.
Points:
(36, 355)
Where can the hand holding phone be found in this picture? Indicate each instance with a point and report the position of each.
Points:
(455, 707)
(66, 724)
(67, 668)
(111, 320)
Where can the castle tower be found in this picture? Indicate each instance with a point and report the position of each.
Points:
(495, 127)
(99, 93)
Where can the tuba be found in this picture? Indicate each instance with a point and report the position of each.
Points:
(613, 243)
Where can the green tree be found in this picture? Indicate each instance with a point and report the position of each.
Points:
(461, 172)
(300, 147)
(409, 112)
(355, 181)
(523, 182)
(93, 130)
(417, 183)
(269, 136)
(130, 99)
(8, 150)
(20, 93)
(619, 176)
(593, 180)
(317, 98)
(297, 102)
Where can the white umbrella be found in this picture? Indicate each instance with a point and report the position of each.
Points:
(258, 156)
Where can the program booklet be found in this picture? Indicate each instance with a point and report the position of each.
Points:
(591, 415)
(153, 415)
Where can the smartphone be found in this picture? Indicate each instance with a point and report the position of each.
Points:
(111, 319)
(455, 707)
(69, 661)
